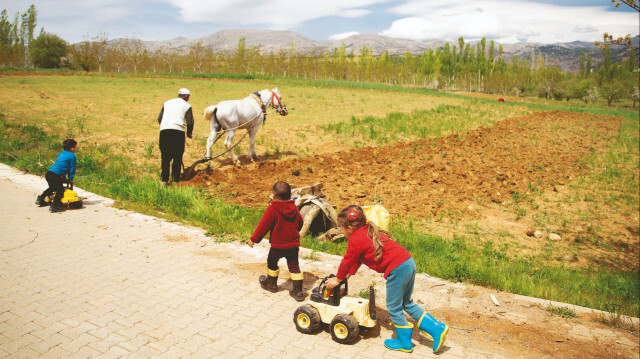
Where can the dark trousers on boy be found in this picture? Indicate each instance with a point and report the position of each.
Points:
(291, 255)
(171, 149)
(269, 282)
(55, 185)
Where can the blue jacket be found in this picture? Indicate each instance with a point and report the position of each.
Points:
(65, 164)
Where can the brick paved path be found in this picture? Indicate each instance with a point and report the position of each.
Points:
(102, 282)
(99, 282)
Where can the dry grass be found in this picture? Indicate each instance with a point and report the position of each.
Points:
(121, 113)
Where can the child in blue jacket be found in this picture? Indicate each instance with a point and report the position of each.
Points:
(65, 165)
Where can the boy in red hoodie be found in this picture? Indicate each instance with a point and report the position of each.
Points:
(283, 220)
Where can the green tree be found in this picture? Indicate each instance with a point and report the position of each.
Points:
(491, 54)
(580, 89)
(611, 91)
(48, 50)
(607, 58)
(82, 57)
(89, 54)
(132, 52)
(197, 55)
(30, 18)
(6, 37)
(635, 95)
(632, 60)
(26, 31)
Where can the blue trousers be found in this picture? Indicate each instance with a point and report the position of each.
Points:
(399, 290)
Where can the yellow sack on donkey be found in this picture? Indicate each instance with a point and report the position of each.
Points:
(378, 215)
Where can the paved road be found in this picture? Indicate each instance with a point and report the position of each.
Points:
(100, 282)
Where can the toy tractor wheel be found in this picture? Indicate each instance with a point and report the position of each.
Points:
(307, 319)
(344, 328)
(76, 204)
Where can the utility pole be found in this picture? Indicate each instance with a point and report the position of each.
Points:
(25, 40)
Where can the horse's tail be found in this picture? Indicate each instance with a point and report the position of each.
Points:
(209, 111)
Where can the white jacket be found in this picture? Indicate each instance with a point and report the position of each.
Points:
(173, 114)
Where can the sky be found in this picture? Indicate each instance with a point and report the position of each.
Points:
(505, 21)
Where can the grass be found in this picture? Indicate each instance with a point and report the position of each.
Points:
(615, 319)
(364, 292)
(126, 170)
(564, 312)
(440, 121)
(461, 260)
(109, 175)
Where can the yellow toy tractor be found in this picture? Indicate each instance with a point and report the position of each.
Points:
(344, 314)
(70, 198)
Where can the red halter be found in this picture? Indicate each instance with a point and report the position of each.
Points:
(277, 98)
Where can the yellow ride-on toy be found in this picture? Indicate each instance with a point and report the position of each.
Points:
(70, 198)
(344, 314)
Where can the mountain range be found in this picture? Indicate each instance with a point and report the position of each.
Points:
(564, 55)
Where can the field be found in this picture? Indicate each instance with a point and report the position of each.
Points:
(470, 175)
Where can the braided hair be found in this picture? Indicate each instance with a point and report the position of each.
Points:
(353, 216)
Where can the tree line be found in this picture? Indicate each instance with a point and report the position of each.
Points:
(456, 67)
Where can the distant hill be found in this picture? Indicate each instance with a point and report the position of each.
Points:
(564, 55)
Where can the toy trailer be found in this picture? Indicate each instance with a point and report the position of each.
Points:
(344, 314)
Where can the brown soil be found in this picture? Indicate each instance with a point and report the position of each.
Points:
(472, 176)
(516, 329)
(423, 178)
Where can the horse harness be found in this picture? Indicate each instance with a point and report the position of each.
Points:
(263, 106)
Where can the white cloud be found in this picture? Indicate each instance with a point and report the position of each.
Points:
(507, 21)
(343, 35)
(501, 20)
(75, 20)
(275, 14)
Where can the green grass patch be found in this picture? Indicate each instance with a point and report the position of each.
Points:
(109, 175)
(493, 267)
(460, 260)
(437, 122)
(564, 312)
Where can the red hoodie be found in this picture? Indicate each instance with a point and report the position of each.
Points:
(284, 221)
(360, 251)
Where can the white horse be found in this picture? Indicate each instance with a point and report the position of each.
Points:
(248, 113)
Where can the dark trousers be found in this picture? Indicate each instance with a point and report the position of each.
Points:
(290, 254)
(171, 149)
(55, 185)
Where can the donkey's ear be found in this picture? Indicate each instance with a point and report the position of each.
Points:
(275, 89)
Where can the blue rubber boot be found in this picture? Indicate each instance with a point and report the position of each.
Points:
(437, 330)
(402, 342)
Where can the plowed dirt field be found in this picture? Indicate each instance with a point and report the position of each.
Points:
(474, 178)
(425, 177)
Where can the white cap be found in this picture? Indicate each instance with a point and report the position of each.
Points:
(184, 91)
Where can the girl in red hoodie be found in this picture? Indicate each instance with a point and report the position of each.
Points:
(374, 247)
(283, 220)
